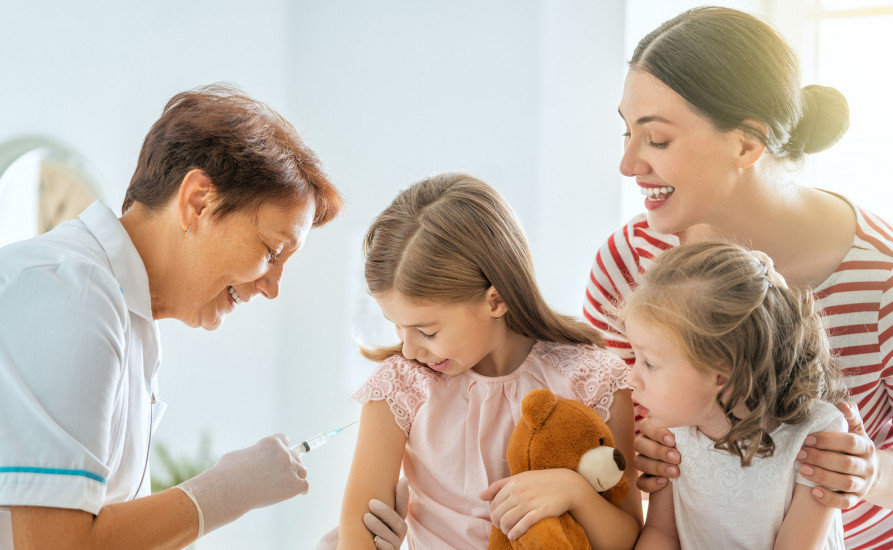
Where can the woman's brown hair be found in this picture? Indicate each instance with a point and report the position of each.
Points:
(250, 152)
(448, 239)
(731, 313)
(735, 70)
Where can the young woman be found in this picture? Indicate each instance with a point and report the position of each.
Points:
(716, 122)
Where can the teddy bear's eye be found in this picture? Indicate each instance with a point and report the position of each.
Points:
(601, 441)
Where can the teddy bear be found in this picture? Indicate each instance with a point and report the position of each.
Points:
(554, 432)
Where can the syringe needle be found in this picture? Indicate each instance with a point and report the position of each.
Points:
(317, 440)
(333, 432)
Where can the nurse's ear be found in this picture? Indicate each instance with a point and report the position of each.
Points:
(194, 199)
(749, 147)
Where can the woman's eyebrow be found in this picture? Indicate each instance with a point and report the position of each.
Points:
(646, 119)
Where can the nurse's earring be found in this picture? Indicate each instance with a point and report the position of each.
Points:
(187, 230)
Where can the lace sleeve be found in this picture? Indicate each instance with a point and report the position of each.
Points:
(403, 384)
(594, 373)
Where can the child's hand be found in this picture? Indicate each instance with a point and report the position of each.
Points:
(519, 501)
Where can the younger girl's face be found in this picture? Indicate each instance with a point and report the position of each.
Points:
(683, 165)
(670, 390)
(449, 338)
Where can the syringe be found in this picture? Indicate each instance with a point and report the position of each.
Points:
(318, 440)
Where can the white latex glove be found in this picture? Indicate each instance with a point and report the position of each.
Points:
(386, 524)
(265, 473)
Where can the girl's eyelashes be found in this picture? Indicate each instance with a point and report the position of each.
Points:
(644, 362)
(428, 336)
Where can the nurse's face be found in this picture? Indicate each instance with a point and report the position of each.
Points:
(241, 256)
(685, 167)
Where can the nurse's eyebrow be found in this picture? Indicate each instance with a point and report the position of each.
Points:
(647, 119)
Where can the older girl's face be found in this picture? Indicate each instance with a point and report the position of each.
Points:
(683, 165)
(449, 338)
(241, 256)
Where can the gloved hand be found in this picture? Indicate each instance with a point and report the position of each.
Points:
(386, 524)
(265, 473)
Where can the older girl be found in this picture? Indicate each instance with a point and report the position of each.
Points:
(448, 264)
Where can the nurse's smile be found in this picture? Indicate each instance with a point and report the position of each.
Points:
(235, 295)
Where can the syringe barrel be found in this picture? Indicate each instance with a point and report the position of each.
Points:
(312, 443)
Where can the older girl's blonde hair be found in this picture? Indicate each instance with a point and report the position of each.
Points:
(447, 239)
(732, 314)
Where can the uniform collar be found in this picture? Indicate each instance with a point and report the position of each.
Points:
(124, 259)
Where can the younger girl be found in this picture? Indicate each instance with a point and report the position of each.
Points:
(717, 325)
(449, 265)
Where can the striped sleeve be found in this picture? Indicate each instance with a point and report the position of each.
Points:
(856, 303)
(618, 265)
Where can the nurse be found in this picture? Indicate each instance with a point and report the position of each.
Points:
(224, 193)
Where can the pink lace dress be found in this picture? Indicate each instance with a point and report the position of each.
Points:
(458, 428)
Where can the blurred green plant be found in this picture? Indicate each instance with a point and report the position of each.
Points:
(168, 470)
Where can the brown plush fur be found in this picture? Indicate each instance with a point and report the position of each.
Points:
(554, 432)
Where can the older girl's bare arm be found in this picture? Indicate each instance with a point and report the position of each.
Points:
(373, 473)
(590, 513)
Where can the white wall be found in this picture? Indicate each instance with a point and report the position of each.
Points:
(522, 94)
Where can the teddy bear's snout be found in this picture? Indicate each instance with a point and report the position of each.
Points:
(602, 467)
(619, 460)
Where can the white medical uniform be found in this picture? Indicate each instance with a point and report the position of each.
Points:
(79, 352)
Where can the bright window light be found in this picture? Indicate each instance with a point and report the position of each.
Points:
(846, 5)
(853, 56)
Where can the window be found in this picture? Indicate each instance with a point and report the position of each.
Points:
(841, 43)
(851, 53)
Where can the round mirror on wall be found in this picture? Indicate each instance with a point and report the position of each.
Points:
(42, 184)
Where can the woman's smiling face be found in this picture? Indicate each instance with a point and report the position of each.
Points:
(241, 256)
(685, 167)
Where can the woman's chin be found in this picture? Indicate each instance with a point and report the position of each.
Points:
(208, 319)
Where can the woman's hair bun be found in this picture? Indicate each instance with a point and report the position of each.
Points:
(826, 118)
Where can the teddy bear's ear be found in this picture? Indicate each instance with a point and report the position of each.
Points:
(537, 406)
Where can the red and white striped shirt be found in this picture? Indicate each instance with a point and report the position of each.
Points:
(857, 307)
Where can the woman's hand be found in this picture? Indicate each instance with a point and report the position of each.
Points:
(263, 474)
(519, 501)
(656, 456)
(845, 465)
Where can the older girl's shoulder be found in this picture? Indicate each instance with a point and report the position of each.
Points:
(413, 372)
(578, 357)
